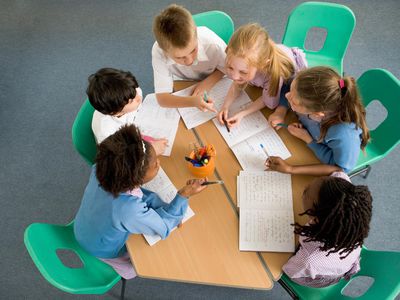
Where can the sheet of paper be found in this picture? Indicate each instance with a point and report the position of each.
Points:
(250, 154)
(158, 122)
(193, 117)
(263, 230)
(163, 186)
(249, 126)
(266, 212)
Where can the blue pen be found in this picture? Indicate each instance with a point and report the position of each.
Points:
(205, 97)
(282, 125)
(265, 150)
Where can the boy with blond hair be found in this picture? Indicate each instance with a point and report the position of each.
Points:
(184, 51)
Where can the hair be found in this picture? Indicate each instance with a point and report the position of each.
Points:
(342, 216)
(109, 90)
(174, 27)
(319, 90)
(121, 162)
(252, 43)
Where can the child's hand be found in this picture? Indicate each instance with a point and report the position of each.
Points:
(235, 120)
(223, 115)
(200, 88)
(297, 130)
(205, 106)
(275, 163)
(159, 145)
(192, 187)
(274, 119)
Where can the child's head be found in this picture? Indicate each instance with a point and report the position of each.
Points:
(340, 214)
(114, 92)
(322, 91)
(175, 33)
(125, 161)
(250, 49)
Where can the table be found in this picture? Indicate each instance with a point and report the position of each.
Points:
(206, 248)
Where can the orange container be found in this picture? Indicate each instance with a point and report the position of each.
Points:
(206, 170)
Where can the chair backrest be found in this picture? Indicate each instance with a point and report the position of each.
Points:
(339, 22)
(82, 134)
(43, 240)
(381, 85)
(217, 21)
(382, 266)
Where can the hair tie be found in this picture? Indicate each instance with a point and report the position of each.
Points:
(341, 83)
(343, 88)
(144, 152)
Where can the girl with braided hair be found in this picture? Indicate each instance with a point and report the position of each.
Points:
(114, 205)
(330, 243)
(331, 117)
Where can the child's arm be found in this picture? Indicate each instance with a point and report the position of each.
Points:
(208, 83)
(274, 163)
(173, 101)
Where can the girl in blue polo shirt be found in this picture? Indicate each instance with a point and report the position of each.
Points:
(331, 115)
(115, 206)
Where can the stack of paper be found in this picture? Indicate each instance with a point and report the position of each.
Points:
(158, 122)
(266, 212)
(163, 186)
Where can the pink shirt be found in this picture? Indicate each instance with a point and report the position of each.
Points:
(298, 59)
(311, 267)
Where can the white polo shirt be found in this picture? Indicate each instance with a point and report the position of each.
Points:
(211, 55)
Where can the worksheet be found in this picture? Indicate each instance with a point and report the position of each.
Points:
(162, 185)
(193, 117)
(266, 212)
(158, 122)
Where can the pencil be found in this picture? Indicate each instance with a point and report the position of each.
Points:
(212, 182)
(265, 150)
(282, 125)
(205, 97)
(226, 124)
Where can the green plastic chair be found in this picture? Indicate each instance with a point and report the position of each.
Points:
(381, 85)
(339, 22)
(217, 21)
(82, 134)
(383, 266)
(95, 277)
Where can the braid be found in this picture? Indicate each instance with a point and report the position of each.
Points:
(342, 216)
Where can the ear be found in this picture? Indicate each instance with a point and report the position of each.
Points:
(320, 114)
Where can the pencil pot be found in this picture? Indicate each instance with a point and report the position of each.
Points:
(201, 161)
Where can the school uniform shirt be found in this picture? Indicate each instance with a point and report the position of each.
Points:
(340, 146)
(105, 125)
(298, 58)
(211, 55)
(310, 266)
(103, 223)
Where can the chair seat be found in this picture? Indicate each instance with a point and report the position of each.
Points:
(43, 240)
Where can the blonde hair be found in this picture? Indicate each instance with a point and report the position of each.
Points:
(252, 43)
(319, 90)
(174, 27)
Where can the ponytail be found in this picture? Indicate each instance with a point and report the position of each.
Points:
(322, 89)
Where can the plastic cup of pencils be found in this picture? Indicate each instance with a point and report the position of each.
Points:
(202, 161)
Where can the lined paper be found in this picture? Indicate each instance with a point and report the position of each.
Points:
(163, 187)
(266, 212)
(166, 125)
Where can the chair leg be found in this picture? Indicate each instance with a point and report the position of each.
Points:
(288, 289)
(364, 170)
(123, 288)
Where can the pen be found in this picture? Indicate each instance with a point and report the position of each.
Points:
(265, 150)
(225, 123)
(205, 97)
(212, 182)
(282, 125)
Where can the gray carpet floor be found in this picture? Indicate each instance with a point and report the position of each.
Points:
(47, 51)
